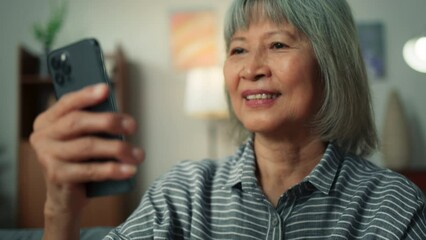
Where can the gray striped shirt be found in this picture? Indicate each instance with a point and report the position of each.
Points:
(344, 197)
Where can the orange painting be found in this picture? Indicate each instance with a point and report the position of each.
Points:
(193, 39)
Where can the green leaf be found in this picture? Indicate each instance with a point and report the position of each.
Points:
(47, 33)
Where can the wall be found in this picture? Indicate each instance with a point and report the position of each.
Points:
(166, 134)
(402, 21)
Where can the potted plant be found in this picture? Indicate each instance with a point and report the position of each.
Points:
(47, 32)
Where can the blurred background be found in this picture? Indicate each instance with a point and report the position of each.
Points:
(157, 81)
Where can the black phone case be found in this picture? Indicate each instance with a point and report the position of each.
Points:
(72, 68)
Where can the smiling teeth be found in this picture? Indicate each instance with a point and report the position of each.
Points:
(261, 96)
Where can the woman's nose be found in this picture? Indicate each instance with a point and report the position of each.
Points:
(255, 67)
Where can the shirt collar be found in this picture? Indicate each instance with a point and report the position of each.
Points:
(244, 167)
(325, 173)
(243, 173)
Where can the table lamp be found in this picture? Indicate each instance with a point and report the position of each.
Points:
(205, 99)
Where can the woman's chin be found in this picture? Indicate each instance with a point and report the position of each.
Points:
(262, 127)
(273, 129)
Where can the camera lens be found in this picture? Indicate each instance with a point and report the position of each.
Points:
(55, 63)
(59, 79)
(66, 68)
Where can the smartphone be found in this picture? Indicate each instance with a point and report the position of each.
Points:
(72, 68)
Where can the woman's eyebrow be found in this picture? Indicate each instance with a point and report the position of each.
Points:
(291, 34)
(238, 38)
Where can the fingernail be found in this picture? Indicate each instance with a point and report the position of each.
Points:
(137, 153)
(127, 124)
(128, 169)
(98, 89)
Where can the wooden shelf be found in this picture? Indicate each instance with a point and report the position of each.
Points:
(33, 79)
(417, 176)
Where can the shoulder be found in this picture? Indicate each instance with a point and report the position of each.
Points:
(384, 192)
(187, 181)
(189, 176)
(362, 172)
(372, 197)
(174, 198)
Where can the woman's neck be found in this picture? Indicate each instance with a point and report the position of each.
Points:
(284, 163)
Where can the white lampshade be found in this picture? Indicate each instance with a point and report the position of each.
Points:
(414, 53)
(205, 94)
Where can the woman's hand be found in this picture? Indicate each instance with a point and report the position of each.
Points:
(64, 140)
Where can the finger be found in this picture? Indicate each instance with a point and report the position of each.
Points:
(86, 97)
(80, 123)
(68, 173)
(89, 148)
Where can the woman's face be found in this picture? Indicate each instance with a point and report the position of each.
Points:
(273, 78)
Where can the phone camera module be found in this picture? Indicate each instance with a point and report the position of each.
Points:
(66, 68)
(64, 57)
(59, 79)
(55, 63)
(64, 63)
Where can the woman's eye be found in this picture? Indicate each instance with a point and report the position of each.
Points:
(278, 45)
(236, 51)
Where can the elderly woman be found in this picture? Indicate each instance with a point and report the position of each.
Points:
(297, 84)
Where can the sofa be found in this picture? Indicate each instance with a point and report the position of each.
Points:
(36, 234)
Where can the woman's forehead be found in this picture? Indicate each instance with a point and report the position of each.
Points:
(283, 27)
(259, 12)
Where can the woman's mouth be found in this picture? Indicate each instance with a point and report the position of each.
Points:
(262, 96)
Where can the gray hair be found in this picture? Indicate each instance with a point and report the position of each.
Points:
(346, 114)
